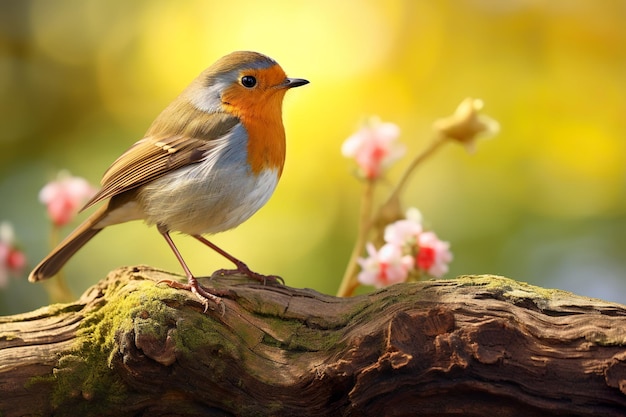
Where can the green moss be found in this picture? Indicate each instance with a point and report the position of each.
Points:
(85, 383)
(356, 310)
(509, 287)
(195, 333)
(604, 339)
(9, 336)
(314, 340)
(45, 379)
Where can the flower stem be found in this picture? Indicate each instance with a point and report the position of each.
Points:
(426, 153)
(56, 287)
(387, 213)
(349, 282)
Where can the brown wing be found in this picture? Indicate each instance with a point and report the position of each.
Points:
(153, 157)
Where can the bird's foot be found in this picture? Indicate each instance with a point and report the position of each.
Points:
(205, 295)
(242, 269)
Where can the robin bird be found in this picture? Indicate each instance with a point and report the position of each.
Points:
(207, 163)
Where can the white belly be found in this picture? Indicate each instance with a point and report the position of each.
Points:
(203, 198)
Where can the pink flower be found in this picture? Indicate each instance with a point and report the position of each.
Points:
(65, 196)
(374, 147)
(12, 260)
(433, 255)
(404, 233)
(384, 267)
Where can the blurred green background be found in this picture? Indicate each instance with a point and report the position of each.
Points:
(543, 202)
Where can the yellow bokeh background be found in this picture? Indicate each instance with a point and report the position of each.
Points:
(544, 202)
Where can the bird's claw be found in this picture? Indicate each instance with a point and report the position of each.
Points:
(244, 270)
(205, 296)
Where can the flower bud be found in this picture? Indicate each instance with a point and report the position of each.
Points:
(466, 124)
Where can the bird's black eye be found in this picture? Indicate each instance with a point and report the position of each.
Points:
(248, 81)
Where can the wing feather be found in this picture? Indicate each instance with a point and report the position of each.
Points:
(153, 156)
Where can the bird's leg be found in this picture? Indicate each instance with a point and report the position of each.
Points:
(241, 268)
(205, 295)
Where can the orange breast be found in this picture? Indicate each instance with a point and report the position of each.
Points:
(260, 111)
(266, 142)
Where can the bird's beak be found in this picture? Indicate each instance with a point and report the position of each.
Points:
(293, 82)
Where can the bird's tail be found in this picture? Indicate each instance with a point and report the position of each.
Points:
(55, 260)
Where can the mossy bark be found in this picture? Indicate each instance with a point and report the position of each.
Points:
(476, 345)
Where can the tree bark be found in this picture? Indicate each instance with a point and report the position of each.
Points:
(473, 346)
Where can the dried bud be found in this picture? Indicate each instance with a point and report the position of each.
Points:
(465, 125)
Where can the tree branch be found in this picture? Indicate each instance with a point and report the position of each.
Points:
(470, 346)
